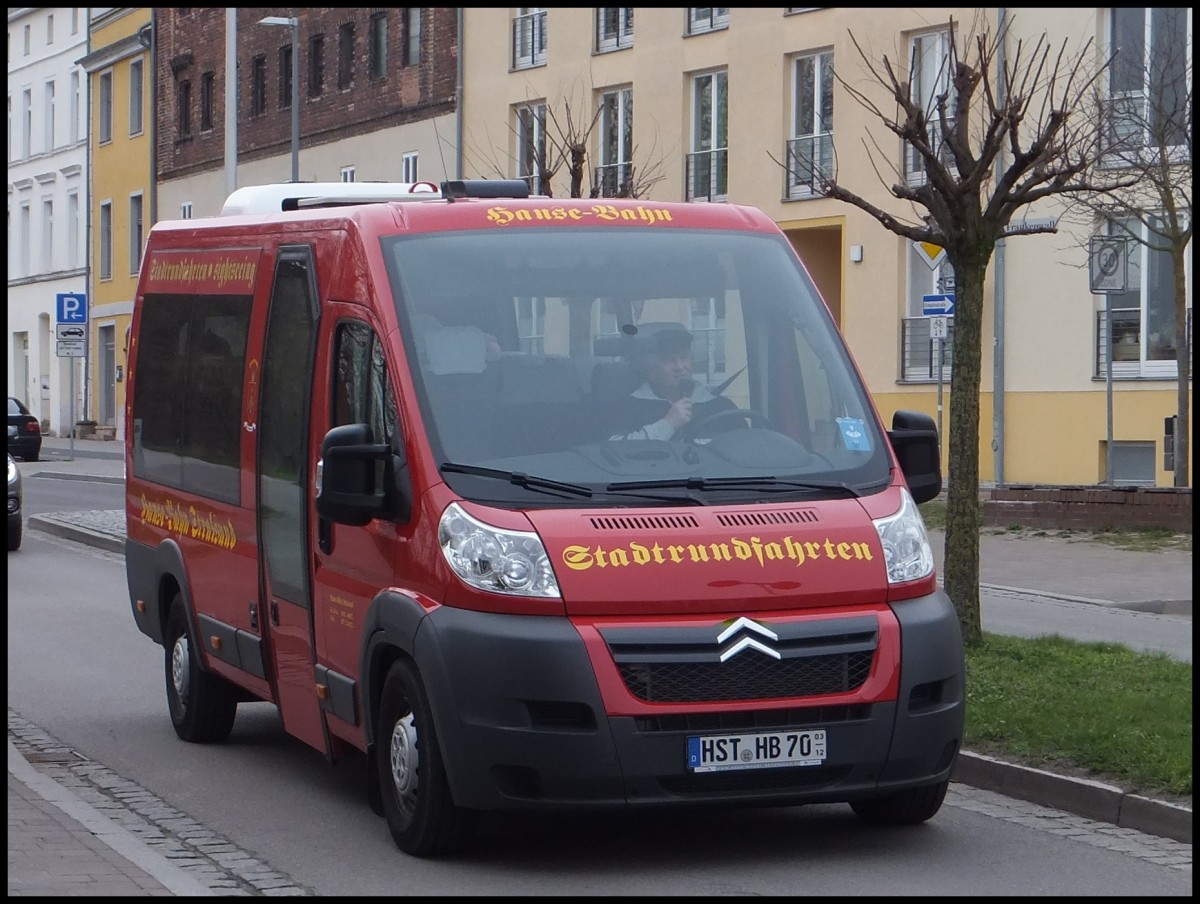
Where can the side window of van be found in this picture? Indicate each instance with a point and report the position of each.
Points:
(362, 392)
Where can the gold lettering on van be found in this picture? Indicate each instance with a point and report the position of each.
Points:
(341, 611)
(751, 549)
(205, 526)
(641, 214)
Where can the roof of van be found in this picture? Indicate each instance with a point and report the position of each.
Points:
(293, 195)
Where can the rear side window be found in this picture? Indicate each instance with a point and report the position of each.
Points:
(187, 404)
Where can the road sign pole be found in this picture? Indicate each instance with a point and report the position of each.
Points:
(941, 356)
(1108, 386)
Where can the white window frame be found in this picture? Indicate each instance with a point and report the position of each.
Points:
(531, 325)
(137, 89)
(104, 113)
(531, 143)
(27, 123)
(49, 113)
(76, 105)
(50, 29)
(137, 230)
(348, 173)
(529, 37)
(73, 223)
(185, 210)
(614, 28)
(615, 140)
(703, 19)
(710, 101)
(408, 167)
(47, 235)
(104, 235)
(811, 148)
(929, 73)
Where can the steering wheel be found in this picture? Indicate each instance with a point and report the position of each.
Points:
(691, 430)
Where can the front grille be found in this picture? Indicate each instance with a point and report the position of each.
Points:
(749, 676)
(755, 719)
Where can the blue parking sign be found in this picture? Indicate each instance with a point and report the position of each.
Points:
(72, 307)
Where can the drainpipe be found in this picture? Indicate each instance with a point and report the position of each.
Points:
(231, 106)
(998, 307)
(458, 100)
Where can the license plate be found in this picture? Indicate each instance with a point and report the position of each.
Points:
(718, 753)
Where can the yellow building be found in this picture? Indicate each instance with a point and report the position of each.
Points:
(120, 190)
(709, 104)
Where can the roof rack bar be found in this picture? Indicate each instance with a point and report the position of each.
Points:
(485, 188)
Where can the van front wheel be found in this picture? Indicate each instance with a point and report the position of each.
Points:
(202, 705)
(902, 808)
(420, 813)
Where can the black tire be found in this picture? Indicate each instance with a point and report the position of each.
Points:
(417, 804)
(202, 705)
(14, 536)
(32, 456)
(902, 808)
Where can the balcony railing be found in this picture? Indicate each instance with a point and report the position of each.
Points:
(529, 40)
(708, 175)
(921, 354)
(613, 180)
(809, 161)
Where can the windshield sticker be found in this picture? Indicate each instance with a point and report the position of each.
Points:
(502, 216)
(854, 434)
(191, 522)
(755, 550)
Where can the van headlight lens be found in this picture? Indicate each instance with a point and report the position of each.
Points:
(906, 549)
(502, 561)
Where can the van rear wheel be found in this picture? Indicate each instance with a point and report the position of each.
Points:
(902, 808)
(421, 814)
(202, 705)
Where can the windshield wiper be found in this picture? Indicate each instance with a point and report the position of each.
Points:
(519, 478)
(731, 483)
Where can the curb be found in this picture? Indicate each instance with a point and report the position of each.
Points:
(1083, 797)
(98, 539)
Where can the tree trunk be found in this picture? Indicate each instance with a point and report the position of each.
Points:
(961, 561)
(1183, 366)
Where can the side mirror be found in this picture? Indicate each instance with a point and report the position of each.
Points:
(915, 441)
(353, 476)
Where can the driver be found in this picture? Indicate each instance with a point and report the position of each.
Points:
(669, 399)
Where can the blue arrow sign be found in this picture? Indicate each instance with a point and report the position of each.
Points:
(72, 307)
(937, 305)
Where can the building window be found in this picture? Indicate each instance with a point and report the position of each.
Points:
(531, 325)
(529, 38)
(47, 235)
(207, 100)
(1143, 316)
(26, 228)
(531, 146)
(1150, 90)
(105, 112)
(27, 123)
(921, 352)
(708, 163)
(614, 175)
(135, 232)
(185, 210)
(49, 116)
(316, 65)
(614, 28)
(75, 20)
(707, 18)
(408, 167)
(930, 74)
(28, 39)
(49, 29)
(106, 240)
(810, 151)
(76, 105)
(285, 77)
(72, 230)
(185, 109)
(412, 37)
(377, 37)
(135, 97)
(348, 173)
(346, 55)
(258, 85)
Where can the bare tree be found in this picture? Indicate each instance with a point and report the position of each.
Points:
(995, 135)
(1147, 125)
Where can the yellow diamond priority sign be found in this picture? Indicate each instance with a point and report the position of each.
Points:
(932, 254)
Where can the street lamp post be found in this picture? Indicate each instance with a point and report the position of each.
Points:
(294, 23)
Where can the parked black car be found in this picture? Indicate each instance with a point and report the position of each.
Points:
(24, 432)
(14, 505)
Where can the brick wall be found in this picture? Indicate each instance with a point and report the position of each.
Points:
(1090, 508)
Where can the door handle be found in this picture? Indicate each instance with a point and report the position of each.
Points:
(274, 613)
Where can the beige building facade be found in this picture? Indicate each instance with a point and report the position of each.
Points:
(729, 105)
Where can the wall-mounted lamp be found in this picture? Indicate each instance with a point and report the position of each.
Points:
(856, 254)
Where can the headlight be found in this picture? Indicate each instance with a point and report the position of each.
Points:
(906, 548)
(12, 469)
(502, 561)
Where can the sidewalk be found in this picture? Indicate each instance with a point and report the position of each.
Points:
(59, 844)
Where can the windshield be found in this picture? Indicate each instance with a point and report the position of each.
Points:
(630, 366)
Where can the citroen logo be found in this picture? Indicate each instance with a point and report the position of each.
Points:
(747, 642)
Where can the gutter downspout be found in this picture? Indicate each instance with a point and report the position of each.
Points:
(998, 306)
(458, 99)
